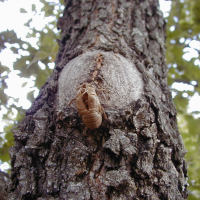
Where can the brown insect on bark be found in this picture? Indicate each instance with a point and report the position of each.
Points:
(88, 105)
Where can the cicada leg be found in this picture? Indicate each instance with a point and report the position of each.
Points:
(104, 114)
(71, 101)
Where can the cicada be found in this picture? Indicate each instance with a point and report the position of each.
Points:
(88, 105)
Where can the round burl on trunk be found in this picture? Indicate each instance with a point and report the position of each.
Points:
(118, 78)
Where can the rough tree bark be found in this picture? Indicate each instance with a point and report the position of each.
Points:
(3, 178)
(137, 153)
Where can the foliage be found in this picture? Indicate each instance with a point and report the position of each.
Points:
(183, 36)
(183, 31)
(35, 63)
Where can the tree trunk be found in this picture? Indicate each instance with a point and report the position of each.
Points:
(3, 178)
(137, 152)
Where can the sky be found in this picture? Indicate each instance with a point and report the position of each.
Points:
(11, 18)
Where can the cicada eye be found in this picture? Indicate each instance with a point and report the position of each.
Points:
(84, 85)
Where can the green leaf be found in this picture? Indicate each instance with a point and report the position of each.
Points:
(33, 7)
(6, 142)
(3, 97)
(22, 10)
(40, 55)
(8, 37)
(14, 49)
(24, 84)
(28, 22)
(3, 69)
(54, 52)
(30, 96)
(40, 79)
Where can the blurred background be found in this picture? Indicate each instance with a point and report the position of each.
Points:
(28, 47)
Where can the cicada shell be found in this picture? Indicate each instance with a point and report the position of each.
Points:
(88, 105)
